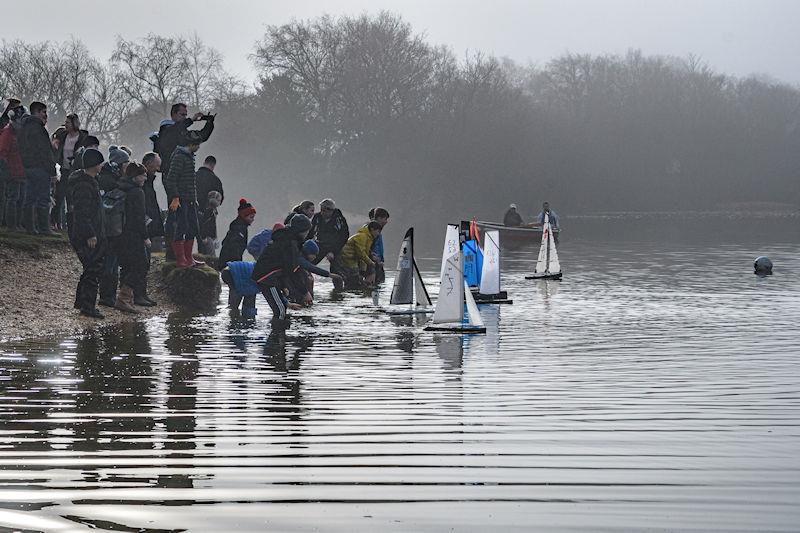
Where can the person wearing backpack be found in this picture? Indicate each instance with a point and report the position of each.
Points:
(86, 230)
(129, 240)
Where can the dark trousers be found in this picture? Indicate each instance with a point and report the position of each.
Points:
(37, 191)
(58, 211)
(324, 249)
(109, 277)
(186, 226)
(234, 298)
(14, 198)
(132, 255)
(277, 302)
(142, 289)
(92, 260)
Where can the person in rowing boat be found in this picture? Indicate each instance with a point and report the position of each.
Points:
(553, 218)
(512, 218)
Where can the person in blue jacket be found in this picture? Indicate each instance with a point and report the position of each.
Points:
(242, 289)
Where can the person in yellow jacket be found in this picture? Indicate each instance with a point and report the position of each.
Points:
(354, 261)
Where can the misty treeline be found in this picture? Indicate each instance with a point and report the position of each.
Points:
(365, 110)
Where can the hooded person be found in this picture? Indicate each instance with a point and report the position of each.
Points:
(86, 230)
(13, 184)
(279, 262)
(235, 242)
(261, 240)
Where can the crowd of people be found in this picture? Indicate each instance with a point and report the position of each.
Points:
(108, 204)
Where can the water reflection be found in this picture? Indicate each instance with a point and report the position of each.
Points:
(653, 387)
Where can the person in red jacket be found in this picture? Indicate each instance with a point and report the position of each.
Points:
(12, 159)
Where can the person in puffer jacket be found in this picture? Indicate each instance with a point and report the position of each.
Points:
(279, 262)
(238, 276)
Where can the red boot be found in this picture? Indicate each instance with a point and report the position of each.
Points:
(180, 256)
(187, 252)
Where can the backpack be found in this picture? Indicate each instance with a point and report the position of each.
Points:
(114, 212)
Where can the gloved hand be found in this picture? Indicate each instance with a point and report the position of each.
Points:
(175, 204)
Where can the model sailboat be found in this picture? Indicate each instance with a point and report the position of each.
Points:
(408, 288)
(547, 265)
(454, 292)
(489, 291)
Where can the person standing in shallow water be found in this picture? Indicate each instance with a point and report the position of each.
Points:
(86, 235)
(329, 228)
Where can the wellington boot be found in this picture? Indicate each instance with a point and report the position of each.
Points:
(180, 256)
(188, 245)
(43, 222)
(29, 220)
(11, 218)
(92, 312)
(141, 301)
(125, 300)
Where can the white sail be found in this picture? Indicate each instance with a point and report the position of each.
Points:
(403, 288)
(450, 304)
(451, 245)
(547, 263)
(490, 274)
(472, 308)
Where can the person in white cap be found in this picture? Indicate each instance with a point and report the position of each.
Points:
(512, 218)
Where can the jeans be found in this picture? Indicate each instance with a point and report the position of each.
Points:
(37, 190)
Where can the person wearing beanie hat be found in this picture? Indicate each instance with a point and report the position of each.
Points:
(131, 245)
(512, 218)
(329, 228)
(235, 241)
(118, 156)
(308, 253)
(86, 232)
(277, 266)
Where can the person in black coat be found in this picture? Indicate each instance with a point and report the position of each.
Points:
(329, 228)
(40, 169)
(86, 234)
(279, 262)
(175, 132)
(131, 246)
(235, 242)
(207, 183)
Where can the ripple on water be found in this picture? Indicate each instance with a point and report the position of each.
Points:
(654, 388)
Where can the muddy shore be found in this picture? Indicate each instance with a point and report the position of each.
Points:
(38, 276)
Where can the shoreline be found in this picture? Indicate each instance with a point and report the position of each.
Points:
(38, 277)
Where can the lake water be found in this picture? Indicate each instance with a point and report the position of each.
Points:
(655, 388)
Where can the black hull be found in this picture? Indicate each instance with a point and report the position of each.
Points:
(468, 330)
(545, 276)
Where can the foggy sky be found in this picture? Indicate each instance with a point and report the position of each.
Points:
(739, 37)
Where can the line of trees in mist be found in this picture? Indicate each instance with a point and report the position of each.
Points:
(367, 111)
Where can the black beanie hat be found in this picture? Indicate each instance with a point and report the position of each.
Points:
(92, 158)
(299, 223)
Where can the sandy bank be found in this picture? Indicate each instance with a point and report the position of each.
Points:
(38, 277)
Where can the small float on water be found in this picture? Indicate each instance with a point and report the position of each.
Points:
(547, 265)
(408, 288)
(454, 292)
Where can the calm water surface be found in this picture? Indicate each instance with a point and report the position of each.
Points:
(656, 388)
